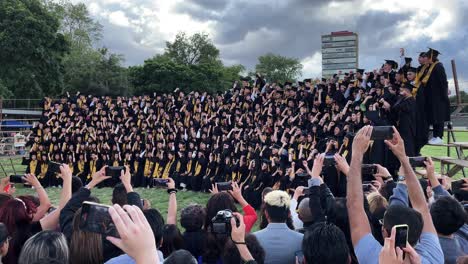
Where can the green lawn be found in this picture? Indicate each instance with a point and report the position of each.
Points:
(442, 151)
(159, 197)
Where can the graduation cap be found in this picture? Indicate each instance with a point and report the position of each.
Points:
(412, 69)
(288, 83)
(422, 54)
(392, 63)
(301, 83)
(401, 71)
(307, 80)
(361, 71)
(408, 59)
(432, 53)
(346, 74)
(324, 79)
(245, 79)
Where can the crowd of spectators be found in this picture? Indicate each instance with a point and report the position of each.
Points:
(283, 164)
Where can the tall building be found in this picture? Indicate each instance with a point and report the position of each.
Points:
(340, 52)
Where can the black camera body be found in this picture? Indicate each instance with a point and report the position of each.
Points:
(221, 223)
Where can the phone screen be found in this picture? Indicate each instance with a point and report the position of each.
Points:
(401, 236)
(95, 218)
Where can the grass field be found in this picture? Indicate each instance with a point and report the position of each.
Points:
(159, 197)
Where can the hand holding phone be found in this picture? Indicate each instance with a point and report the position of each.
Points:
(418, 162)
(382, 133)
(160, 182)
(95, 218)
(115, 171)
(17, 179)
(224, 186)
(401, 236)
(54, 167)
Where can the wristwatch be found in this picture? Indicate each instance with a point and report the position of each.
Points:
(401, 178)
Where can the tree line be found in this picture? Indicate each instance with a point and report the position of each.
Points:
(49, 47)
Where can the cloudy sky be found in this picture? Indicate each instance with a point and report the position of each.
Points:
(246, 29)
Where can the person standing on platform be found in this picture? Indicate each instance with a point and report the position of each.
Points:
(437, 104)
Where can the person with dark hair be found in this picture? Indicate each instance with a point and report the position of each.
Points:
(4, 241)
(19, 215)
(172, 240)
(325, 243)
(449, 216)
(192, 219)
(279, 242)
(180, 256)
(231, 254)
(119, 195)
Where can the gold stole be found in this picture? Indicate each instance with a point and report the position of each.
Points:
(81, 165)
(32, 166)
(167, 168)
(235, 176)
(189, 166)
(72, 168)
(92, 169)
(135, 165)
(148, 166)
(157, 170)
(425, 78)
(417, 80)
(51, 147)
(198, 168)
(115, 163)
(44, 168)
(178, 166)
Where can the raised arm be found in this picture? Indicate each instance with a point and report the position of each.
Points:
(359, 224)
(44, 202)
(172, 207)
(51, 221)
(415, 191)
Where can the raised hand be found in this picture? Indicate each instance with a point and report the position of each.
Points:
(396, 145)
(361, 140)
(136, 238)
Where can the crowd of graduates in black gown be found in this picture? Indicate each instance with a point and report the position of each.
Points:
(260, 134)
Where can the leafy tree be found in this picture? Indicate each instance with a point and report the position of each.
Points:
(4, 91)
(190, 63)
(193, 50)
(277, 68)
(31, 48)
(87, 69)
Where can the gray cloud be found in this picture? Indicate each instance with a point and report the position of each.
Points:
(244, 30)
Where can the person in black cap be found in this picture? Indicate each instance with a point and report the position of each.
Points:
(404, 113)
(388, 70)
(437, 105)
(359, 77)
(4, 241)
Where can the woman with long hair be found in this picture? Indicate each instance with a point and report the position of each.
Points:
(19, 214)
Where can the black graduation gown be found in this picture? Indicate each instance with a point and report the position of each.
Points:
(405, 111)
(422, 126)
(436, 95)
